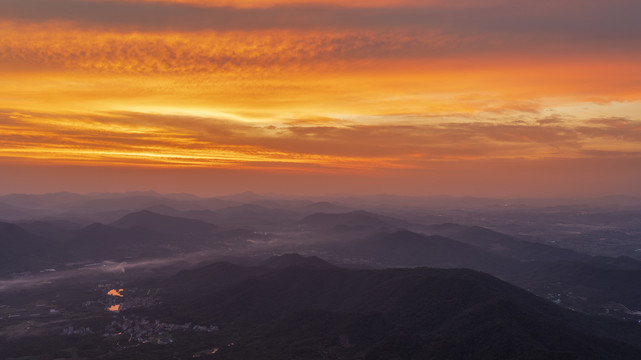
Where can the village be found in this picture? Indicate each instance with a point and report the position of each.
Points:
(139, 330)
(107, 297)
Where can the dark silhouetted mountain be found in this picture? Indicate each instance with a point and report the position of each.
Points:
(21, 250)
(164, 224)
(98, 242)
(121, 203)
(203, 215)
(39, 201)
(299, 312)
(15, 241)
(296, 260)
(355, 221)
(254, 216)
(58, 230)
(69, 206)
(405, 248)
(240, 216)
(504, 245)
(12, 213)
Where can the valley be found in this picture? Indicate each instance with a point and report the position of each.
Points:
(273, 281)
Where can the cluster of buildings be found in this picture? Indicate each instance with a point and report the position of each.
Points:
(70, 330)
(131, 331)
(116, 301)
(137, 302)
(41, 310)
(143, 331)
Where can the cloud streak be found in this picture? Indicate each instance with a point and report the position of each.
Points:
(166, 140)
(185, 54)
(591, 20)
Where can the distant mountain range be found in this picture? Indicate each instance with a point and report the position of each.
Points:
(368, 286)
(181, 224)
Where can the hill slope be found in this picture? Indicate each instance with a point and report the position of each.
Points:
(301, 312)
(163, 223)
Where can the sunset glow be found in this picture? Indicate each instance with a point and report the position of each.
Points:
(415, 91)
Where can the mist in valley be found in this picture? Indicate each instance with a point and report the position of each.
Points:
(333, 265)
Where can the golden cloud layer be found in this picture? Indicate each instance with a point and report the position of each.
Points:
(323, 87)
(161, 140)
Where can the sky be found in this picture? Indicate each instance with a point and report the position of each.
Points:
(459, 97)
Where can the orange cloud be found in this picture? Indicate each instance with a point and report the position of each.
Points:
(325, 87)
(270, 3)
(141, 139)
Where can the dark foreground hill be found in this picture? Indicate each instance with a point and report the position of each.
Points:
(17, 246)
(314, 312)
